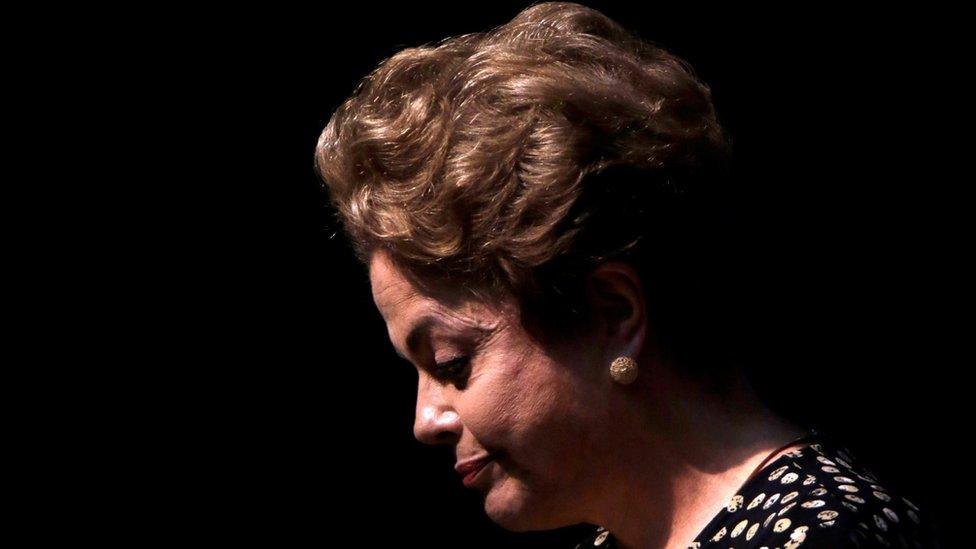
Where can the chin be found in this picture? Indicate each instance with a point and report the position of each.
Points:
(515, 510)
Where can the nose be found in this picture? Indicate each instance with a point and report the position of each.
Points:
(436, 421)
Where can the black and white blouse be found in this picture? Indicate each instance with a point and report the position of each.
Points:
(815, 496)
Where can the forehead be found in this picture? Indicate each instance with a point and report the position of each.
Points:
(399, 299)
(393, 292)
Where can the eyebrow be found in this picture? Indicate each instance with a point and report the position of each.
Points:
(417, 332)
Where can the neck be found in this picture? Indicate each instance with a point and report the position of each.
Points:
(683, 456)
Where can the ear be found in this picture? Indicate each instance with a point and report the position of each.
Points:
(619, 308)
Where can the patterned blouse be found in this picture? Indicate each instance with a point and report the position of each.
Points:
(815, 496)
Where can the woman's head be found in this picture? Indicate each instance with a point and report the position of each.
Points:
(533, 186)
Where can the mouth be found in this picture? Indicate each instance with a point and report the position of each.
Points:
(469, 470)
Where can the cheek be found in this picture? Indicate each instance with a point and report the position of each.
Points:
(540, 412)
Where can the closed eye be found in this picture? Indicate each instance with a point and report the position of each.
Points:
(451, 370)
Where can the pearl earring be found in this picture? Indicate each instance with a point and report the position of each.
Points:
(623, 370)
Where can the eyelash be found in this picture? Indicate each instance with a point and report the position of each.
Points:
(452, 368)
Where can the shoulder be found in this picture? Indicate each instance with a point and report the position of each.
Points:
(820, 496)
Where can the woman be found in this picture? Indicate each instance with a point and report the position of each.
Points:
(540, 210)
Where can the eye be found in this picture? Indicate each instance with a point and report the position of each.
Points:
(452, 369)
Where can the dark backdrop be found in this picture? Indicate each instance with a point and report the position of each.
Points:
(287, 416)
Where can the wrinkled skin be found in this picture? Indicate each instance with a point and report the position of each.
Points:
(540, 410)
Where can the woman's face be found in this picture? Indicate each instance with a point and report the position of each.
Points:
(536, 411)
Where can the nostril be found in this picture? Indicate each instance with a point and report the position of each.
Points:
(444, 437)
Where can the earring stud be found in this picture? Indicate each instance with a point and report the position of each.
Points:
(623, 370)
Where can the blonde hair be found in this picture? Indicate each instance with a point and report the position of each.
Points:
(515, 159)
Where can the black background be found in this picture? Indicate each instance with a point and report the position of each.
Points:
(272, 408)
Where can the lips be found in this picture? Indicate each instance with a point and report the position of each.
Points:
(469, 469)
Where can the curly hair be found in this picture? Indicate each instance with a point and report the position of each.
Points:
(513, 161)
